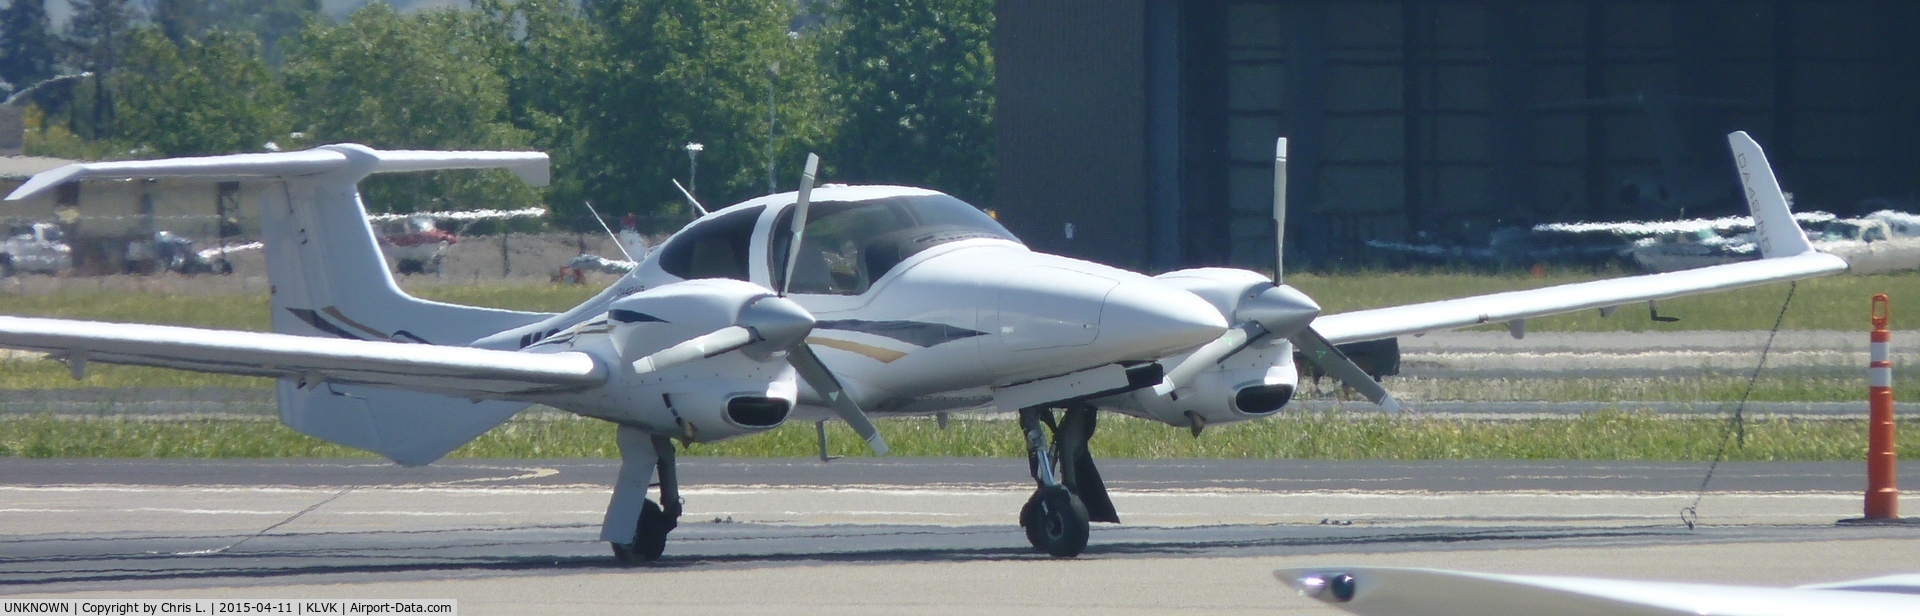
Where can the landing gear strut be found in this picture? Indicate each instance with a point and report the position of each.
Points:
(1071, 493)
(636, 526)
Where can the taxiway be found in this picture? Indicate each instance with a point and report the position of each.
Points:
(896, 535)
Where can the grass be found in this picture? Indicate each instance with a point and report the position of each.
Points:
(1772, 386)
(167, 305)
(1835, 302)
(1611, 435)
(1830, 303)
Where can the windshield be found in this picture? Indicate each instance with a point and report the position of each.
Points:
(850, 244)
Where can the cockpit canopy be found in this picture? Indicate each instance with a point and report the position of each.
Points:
(850, 244)
(847, 246)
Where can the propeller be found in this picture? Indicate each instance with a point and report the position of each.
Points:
(1278, 310)
(801, 355)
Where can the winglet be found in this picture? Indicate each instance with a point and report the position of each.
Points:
(1778, 234)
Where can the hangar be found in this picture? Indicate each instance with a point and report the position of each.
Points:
(1139, 132)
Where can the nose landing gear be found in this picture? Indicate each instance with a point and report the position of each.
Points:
(635, 525)
(1070, 494)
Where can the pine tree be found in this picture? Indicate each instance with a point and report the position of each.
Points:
(27, 44)
(97, 33)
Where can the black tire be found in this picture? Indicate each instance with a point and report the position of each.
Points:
(6, 266)
(1056, 522)
(649, 538)
(1030, 522)
(409, 266)
(223, 267)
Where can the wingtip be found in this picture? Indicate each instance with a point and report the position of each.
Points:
(1773, 220)
(45, 181)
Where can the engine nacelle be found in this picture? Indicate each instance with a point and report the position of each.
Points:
(1255, 382)
(729, 394)
(1251, 384)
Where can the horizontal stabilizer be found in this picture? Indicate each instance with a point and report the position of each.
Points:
(355, 159)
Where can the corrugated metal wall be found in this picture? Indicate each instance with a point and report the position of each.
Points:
(1437, 120)
(1070, 126)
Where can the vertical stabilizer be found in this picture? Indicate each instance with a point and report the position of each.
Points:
(1774, 228)
(329, 279)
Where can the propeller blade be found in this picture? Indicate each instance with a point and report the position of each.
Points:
(1210, 355)
(799, 220)
(817, 375)
(719, 341)
(1279, 206)
(1330, 360)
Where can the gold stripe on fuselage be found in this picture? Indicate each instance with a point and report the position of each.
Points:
(882, 355)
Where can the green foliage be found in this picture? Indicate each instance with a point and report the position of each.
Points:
(27, 44)
(546, 52)
(46, 136)
(97, 33)
(914, 79)
(424, 81)
(613, 92)
(680, 71)
(268, 20)
(204, 97)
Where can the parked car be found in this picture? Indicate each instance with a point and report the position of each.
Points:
(34, 247)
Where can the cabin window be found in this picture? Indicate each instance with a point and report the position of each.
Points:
(712, 248)
(850, 244)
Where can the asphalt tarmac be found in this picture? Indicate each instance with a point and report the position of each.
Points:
(904, 535)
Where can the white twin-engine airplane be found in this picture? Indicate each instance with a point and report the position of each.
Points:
(887, 301)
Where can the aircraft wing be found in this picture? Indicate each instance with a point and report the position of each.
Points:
(1386, 591)
(1501, 307)
(453, 371)
(1787, 256)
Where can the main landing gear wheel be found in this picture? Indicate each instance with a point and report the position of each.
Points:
(1056, 522)
(650, 539)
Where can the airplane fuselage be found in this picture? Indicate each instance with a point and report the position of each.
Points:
(938, 330)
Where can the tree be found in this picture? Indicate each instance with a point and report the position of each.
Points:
(27, 44)
(268, 20)
(203, 97)
(97, 32)
(182, 20)
(914, 79)
(678, 71)
(547, 51)
(421, 81)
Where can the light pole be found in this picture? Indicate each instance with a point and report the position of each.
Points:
(23, 91)
(772, 71)
(693, 167)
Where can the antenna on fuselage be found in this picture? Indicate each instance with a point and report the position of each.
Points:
(690, 200)
(609, 230)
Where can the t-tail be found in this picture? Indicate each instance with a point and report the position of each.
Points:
(329, 279)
